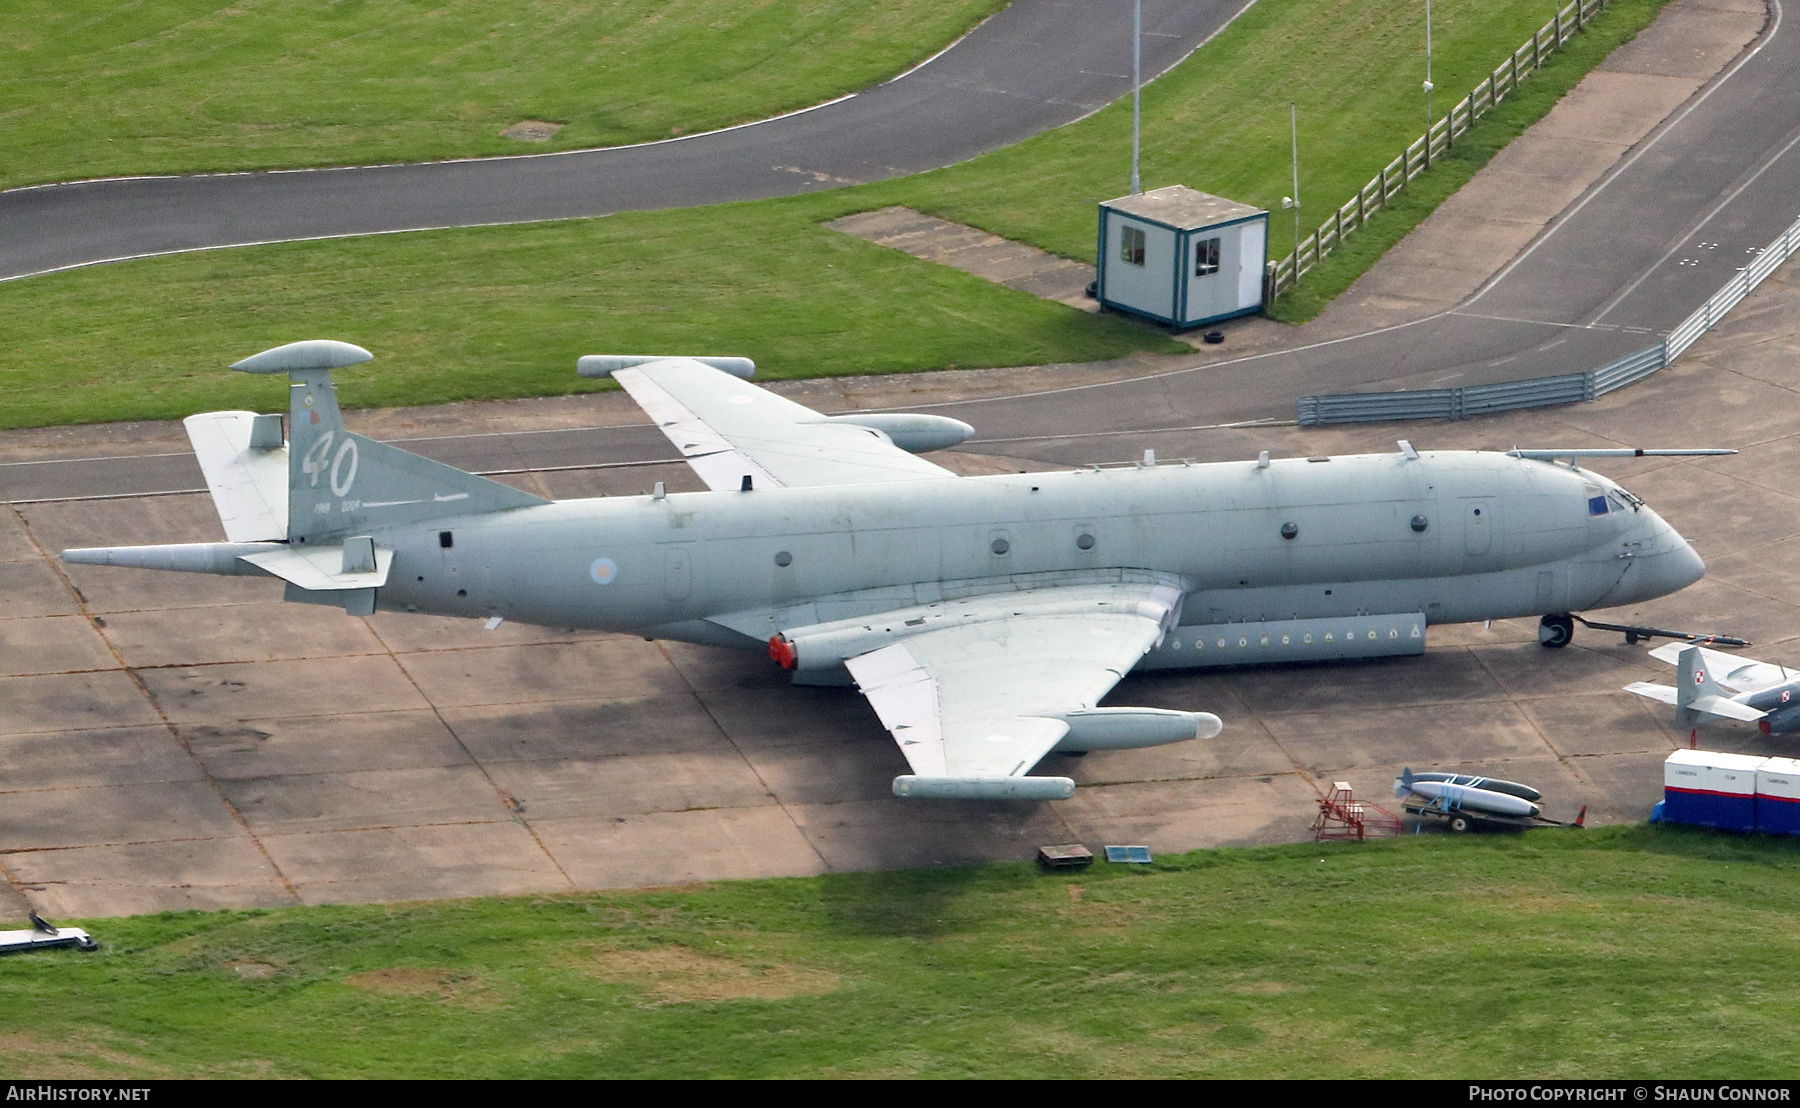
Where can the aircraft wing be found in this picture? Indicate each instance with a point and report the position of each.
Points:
(975, 705)
(729, 429)
(1731, 671)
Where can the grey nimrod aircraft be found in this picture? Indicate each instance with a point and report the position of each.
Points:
(984, 618)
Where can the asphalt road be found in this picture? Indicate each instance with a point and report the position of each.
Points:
(1036, 65)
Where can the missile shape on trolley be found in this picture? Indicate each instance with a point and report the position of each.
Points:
(1451, 796)
(1491, 784)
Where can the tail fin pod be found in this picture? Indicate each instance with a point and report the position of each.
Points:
(341, 483)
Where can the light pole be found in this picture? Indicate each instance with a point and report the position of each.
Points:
(1294, 200)
(1137, 85)
(1428, 85)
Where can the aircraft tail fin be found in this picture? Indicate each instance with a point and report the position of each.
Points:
(342, 484)
(1698, 695)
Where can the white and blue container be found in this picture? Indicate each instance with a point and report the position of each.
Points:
(1778, 796)
(1711, 789)
(1181, 257)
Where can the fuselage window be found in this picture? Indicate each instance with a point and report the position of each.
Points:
(1206, 257)
(1131, 246)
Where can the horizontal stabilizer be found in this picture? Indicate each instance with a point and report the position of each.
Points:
(246, 468)
(327, 568)
(984, 788)
(1664, 693)
(1730, 709)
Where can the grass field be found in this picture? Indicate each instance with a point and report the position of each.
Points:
(97, 88)
(487, 312)
(1565, 954)
(503, 312)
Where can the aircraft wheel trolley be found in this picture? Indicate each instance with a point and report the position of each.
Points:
(1461, 821)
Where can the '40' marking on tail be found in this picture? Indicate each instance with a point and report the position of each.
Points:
(342, 467)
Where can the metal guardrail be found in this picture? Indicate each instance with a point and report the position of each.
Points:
(1567, 388)
(1438, 138)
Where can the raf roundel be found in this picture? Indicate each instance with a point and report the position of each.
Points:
(603, 571)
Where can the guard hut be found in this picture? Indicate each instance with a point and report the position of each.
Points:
(1181, 257)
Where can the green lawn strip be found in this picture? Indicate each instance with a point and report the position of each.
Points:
(1219, 123)
(1622, 952)
(94, 88)
(487, 313)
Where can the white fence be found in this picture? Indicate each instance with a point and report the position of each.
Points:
(1567, 388)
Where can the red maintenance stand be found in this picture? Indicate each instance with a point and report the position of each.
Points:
(1342, 817)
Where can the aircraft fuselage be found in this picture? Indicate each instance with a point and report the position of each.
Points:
(1457, 536)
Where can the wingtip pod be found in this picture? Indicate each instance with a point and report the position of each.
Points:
(304, 355)
(605, 365)
(911, 431)
(984, 788)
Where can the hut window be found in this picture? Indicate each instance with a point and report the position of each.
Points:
(1131, 246)
(1206, 257)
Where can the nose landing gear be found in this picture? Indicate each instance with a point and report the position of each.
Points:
(1555, 631)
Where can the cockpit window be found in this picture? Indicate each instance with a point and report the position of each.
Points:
(1597, 506)
(1617, 504)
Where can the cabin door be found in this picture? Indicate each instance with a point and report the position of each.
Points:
(1478, 526)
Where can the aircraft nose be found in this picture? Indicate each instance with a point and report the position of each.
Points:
(1691, 567)
(1672, 564)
